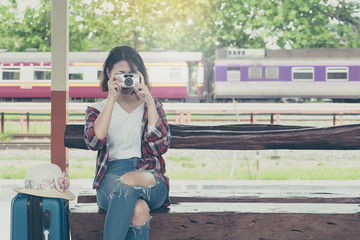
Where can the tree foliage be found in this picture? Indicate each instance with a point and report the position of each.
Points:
(187, 25)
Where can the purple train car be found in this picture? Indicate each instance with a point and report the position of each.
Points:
(299, 73)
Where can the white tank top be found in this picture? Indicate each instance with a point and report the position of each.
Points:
(124, 134)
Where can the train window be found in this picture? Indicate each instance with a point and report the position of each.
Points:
(42, 74)
(337, 73)
(175, 73)
(76, 76)
(255, 73)
(272, 72)
(99, 74)
(233, 75)
(11, 74)
(302, 73)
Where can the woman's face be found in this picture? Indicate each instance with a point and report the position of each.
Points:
(122, 67)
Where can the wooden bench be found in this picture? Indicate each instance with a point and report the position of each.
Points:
(270, 211)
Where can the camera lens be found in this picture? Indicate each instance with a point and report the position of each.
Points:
(128, 81)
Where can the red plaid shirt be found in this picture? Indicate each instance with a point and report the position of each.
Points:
(153, 145)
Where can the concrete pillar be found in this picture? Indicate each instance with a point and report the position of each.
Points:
(59, 80)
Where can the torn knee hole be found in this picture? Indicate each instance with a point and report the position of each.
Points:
(123, 190)
(138, 226)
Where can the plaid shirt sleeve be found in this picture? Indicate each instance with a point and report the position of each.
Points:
(92, 142)
(157, 141)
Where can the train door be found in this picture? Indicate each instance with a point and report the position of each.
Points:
(192, 85)
(208, 89)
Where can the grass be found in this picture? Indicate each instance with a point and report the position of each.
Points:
(81, 171)
(40, 123)
(273, 165)
(210, 165)
(34, 127)
(180, 159)
(5, 137)
(12, 172)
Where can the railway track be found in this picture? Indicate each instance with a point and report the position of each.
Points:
(30, 136)
(25, 141)
(24, 145)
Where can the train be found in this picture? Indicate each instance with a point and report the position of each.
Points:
(27, 75)
(241, 74)
(299, 73)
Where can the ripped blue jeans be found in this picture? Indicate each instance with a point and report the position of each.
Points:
(119, 201)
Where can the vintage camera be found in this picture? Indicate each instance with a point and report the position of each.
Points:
(129, 79)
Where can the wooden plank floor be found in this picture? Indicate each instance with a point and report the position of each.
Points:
(213, 220)
(242, 210)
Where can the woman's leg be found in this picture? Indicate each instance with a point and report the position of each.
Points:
(129, 206)
(115, 170)
(140, 224)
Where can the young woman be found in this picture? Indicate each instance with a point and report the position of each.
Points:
(130, 131)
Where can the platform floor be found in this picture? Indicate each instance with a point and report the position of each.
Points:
(346, 188)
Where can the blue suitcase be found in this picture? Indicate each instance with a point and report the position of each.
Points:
(39, 218)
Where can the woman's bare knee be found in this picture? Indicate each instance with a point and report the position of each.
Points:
(141, 213)
(138, 178)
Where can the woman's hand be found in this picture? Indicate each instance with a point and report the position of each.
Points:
(142, 91)
(114, 86)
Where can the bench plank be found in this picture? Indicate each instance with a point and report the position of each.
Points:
(89, 196)
(234, 221)
(247, 137)
(255, 191)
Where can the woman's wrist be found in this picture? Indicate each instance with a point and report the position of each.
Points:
(150, 102)
(153, 115)
(111, 98)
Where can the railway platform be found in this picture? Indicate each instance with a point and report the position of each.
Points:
(260, 189)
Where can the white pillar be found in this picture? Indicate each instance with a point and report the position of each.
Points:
(59, 80)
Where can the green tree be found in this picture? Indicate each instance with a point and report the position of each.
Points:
(34, 30)
(317, 24)
(187, 25)
(8, 25)
(293, 23)
(79, 28)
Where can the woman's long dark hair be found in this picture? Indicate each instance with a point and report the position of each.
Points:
(122, 53)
